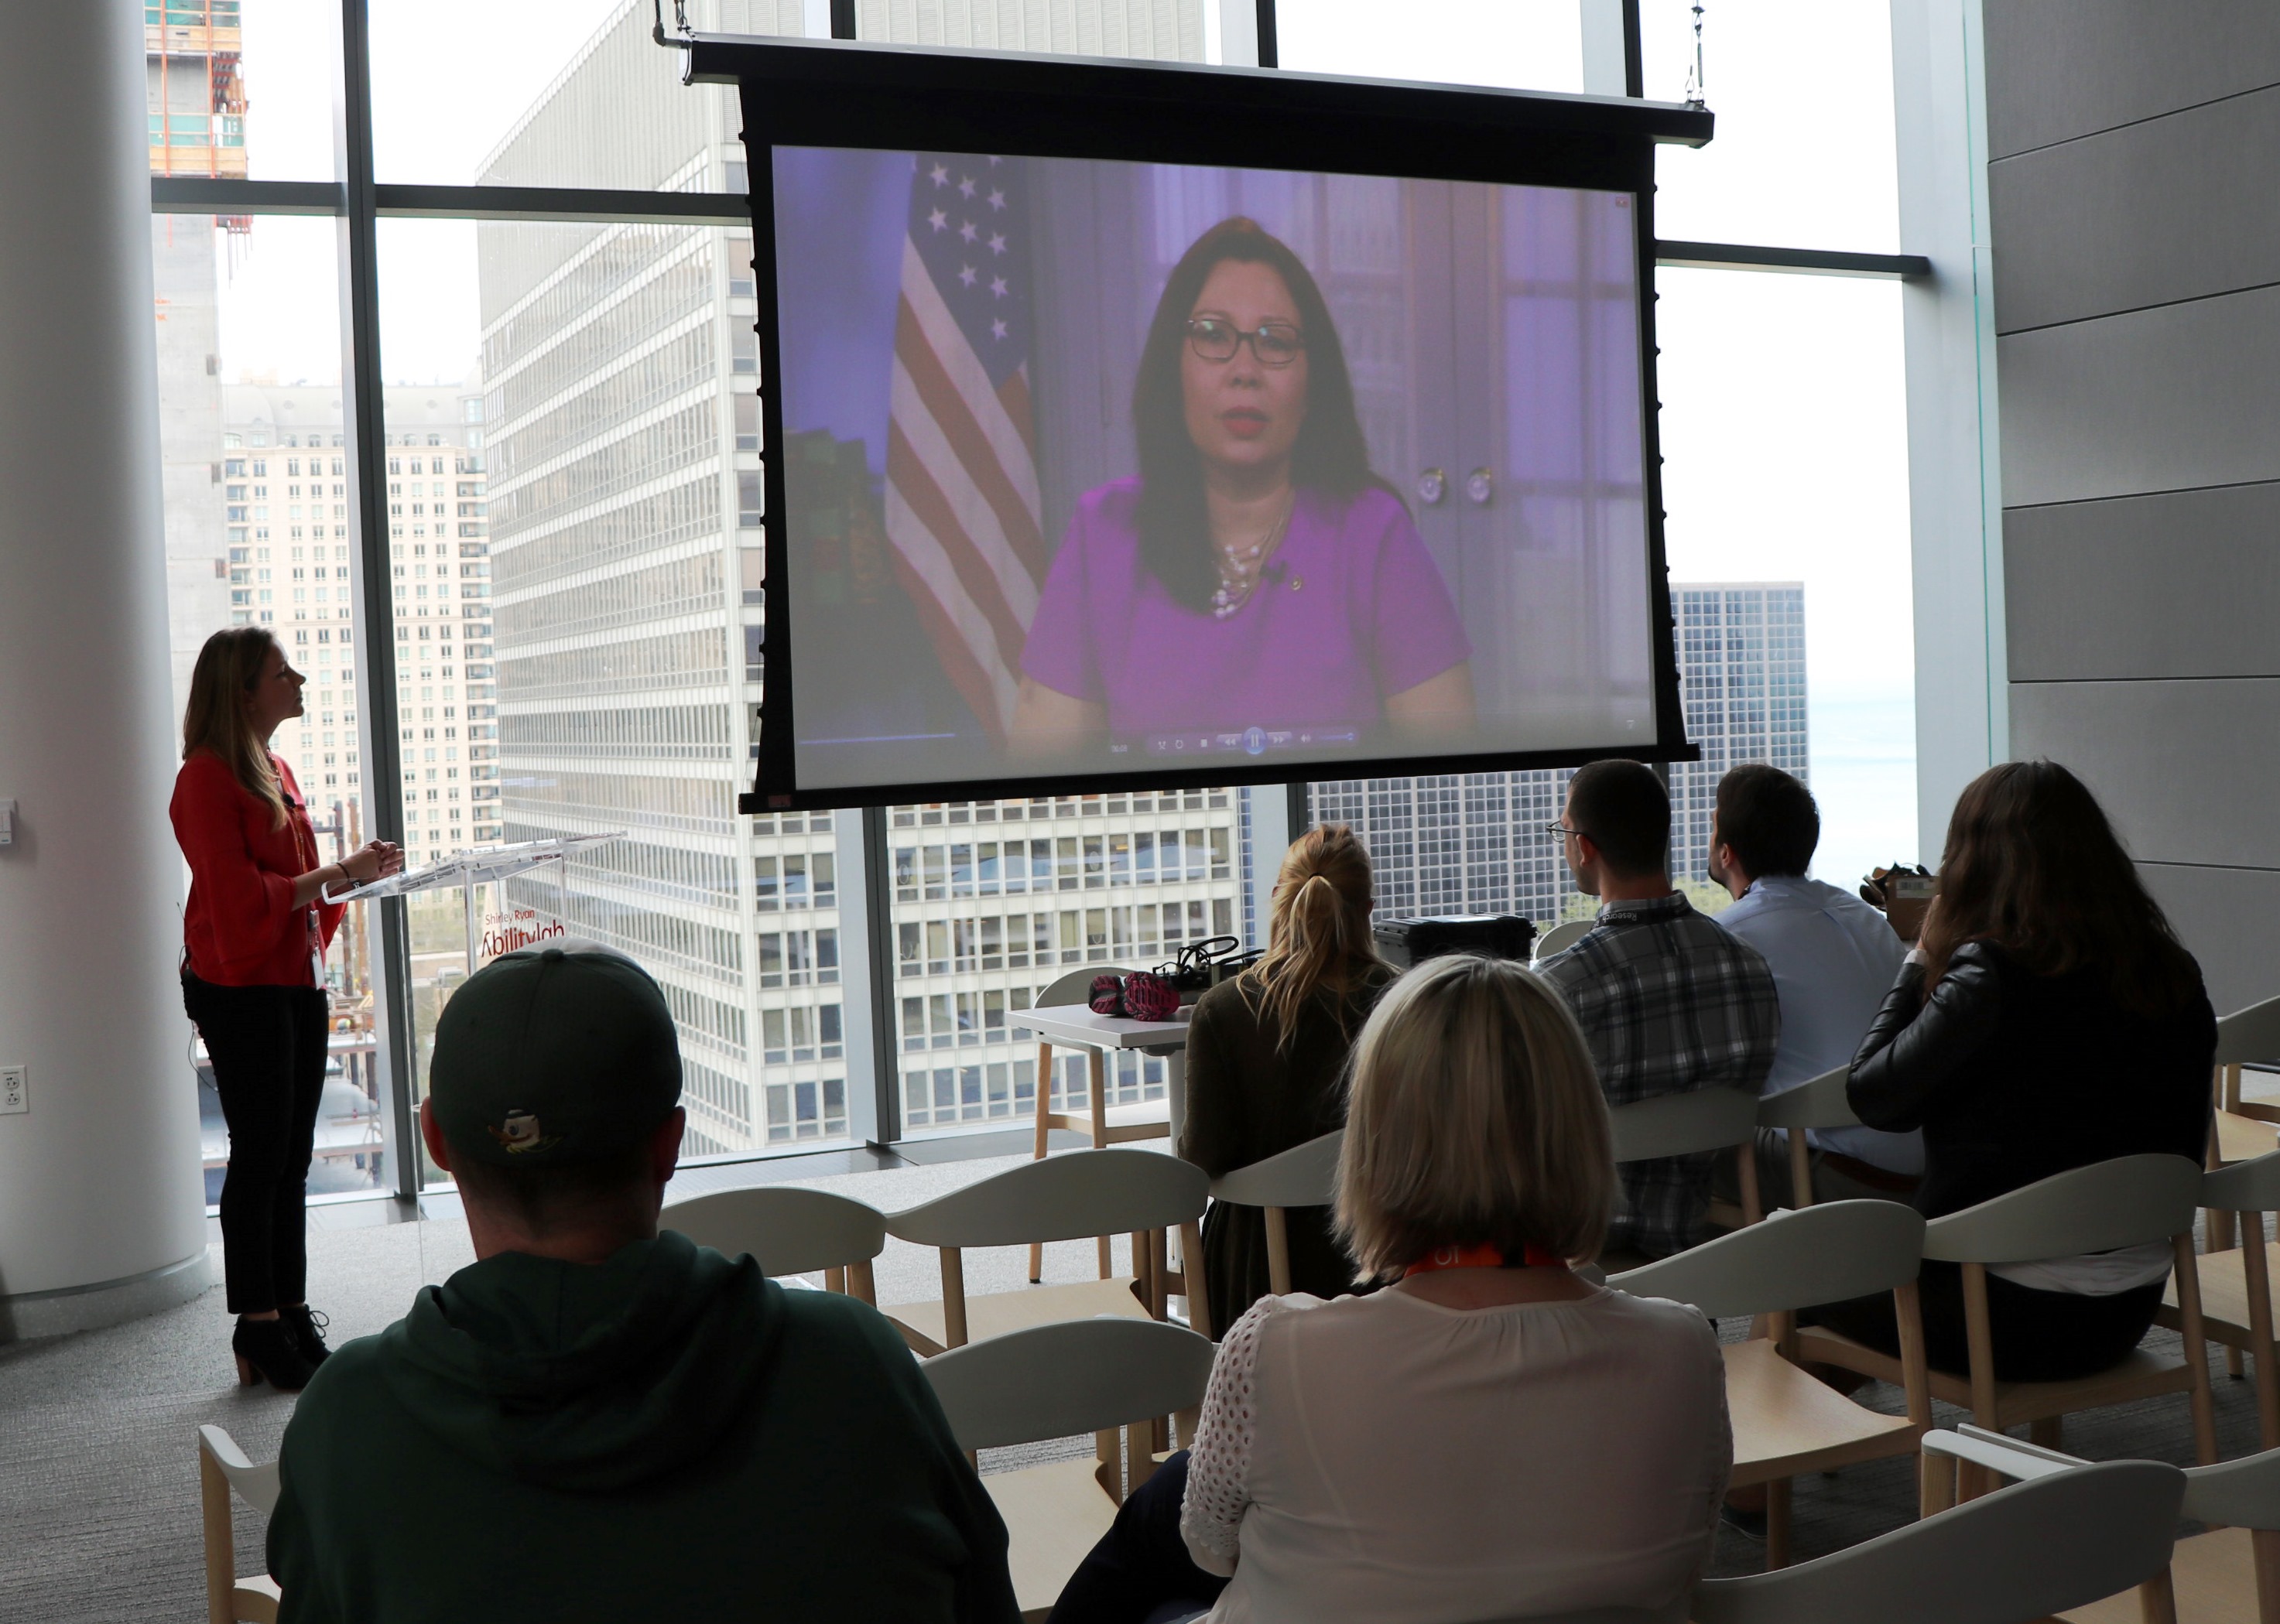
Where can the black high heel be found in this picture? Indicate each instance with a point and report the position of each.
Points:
(267, 1351)
(308, 1328)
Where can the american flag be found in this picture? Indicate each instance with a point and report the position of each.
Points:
(962, 508)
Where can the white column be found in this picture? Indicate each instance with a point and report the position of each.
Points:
(100, 1199)
(1955, 498)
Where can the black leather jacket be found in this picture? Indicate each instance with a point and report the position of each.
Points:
(2014, 1077)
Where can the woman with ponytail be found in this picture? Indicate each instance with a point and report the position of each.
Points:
(255, 931)
(1267, 1058)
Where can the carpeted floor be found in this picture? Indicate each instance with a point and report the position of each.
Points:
(98, 1480)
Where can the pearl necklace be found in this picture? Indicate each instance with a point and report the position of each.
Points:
(1240, 568)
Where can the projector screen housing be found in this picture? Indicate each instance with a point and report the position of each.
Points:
(1484, 261)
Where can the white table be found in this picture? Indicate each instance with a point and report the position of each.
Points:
(1074, 1026)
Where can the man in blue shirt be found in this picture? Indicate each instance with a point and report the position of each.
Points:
(1833, 958)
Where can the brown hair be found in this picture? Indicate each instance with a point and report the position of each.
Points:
(1768, 818)
(1625, 811)
(1320, 932)
(1330, 455)
(228, 669)
(1474, 1117)
(2033, 867)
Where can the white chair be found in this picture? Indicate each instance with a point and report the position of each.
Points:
(1787, 1423)
(1560, 938)
(1055, 1382)
(788, 1231)
(223, 1470)
(2230, 1573)
(1689, 1124)
(1069, 1196)
(2129, 1201)
(1819, 1102)
(1147, 1121)
(2236, 1283)
(2240, 1129)
(2011, 1557)
(1305, 1175)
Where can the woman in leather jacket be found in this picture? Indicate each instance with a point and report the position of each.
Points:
(2048, 1019)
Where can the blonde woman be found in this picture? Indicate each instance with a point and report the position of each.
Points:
(254, 940)
(1267, 1057)
(1489, 1437)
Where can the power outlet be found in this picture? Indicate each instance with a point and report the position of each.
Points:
(15, 1089)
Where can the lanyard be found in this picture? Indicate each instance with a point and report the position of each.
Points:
(1483, 1256)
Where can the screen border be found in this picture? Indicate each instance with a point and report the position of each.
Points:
(817, 93)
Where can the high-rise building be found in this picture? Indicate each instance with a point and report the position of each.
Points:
(197, 128)
(1741, 664)
(1476, 843)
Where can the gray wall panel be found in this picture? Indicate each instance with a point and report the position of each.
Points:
(2181, 585)
(2188, 771)
(2164, 399)
(2225, 916)
(2175, 208)
(2056, 69)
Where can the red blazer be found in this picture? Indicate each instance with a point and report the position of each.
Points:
(240, 928)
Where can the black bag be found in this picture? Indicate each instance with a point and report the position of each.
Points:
(1492, 935)
(1202, 965)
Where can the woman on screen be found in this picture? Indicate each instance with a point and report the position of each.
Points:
(1257, 574)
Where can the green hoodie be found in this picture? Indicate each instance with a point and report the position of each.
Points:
(668, 1435)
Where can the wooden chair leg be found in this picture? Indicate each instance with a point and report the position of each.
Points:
(2047, 1432)
(1278, 1252)
(1777, 1542)
(2194, 1334)
(953, 1297)
(1979, 1341)
(1191, 1274)
(1746, 1167)
(1097, 1070)
(1935, 1484)
(835, 1279)
(2157, 1602)
(860, 1284)
(1044, 1126)
(1108, 1468)
(2256, 1274)
(220, 1540)
(2266, 1544)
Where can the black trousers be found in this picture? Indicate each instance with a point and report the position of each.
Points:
(267, 1044)
(2038, 1336)
(1140, 1569)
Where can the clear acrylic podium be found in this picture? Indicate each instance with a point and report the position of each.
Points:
(469, 869)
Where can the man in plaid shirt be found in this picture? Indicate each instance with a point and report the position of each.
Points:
(1668, 1002)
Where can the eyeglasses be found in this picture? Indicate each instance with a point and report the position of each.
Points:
(1276, 343)
(1561, 830)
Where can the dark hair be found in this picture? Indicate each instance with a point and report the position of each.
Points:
(2033, 867)
(1625, 809)
(1331, 454)
(552, 1196)
(1770, 819)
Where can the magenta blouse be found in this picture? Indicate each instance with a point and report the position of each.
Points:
(1352, 608)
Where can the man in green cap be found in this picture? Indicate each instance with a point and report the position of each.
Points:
(598, 1422)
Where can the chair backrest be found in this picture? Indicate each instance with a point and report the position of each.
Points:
(1066, 1197)
(2244, 1186)
(2019, 1554)
(1817, 1103)
(2125, 1202)
(1794, 1259)
(787, 1231)
(1056, 1381)
(1075, 987)
(2239, 1494)
(1304, 1175)
(2253, 1033)
(1560, 938)
(255, 1485)
(1682, 1124)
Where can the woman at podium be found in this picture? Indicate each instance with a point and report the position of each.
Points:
(253, 980)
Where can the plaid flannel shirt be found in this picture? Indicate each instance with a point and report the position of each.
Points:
(1669, 1003)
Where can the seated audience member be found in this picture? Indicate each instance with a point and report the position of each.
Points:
(1267, 1056)
(2048, 1019)
(1668, 1002)
(1833, 959)
(1490, 1437)
(595, 1420)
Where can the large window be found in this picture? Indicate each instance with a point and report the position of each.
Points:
(546, 541)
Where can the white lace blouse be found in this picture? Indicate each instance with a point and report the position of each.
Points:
(1384, 1457)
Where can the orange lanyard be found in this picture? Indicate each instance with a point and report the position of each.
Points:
(1481, 1257)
